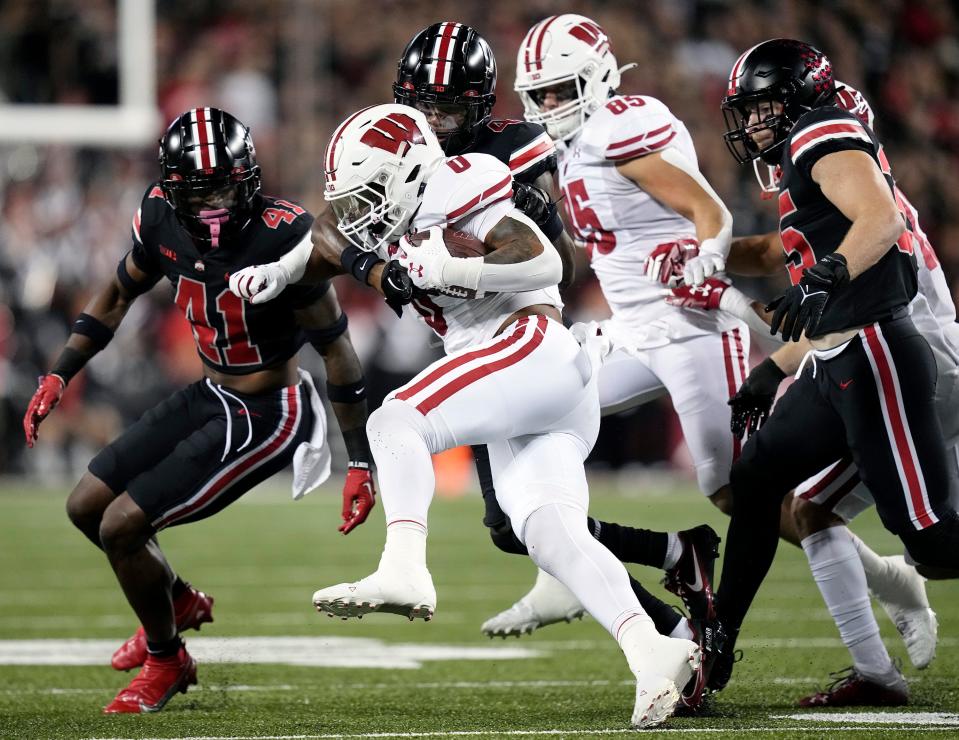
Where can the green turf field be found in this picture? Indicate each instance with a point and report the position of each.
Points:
(383, 676)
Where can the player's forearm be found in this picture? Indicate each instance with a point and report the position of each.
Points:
(789, 357)
(869, 238)
(92, 330)
(346, 389)
(755, 256)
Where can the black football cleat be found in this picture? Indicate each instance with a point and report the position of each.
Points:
(691, 579)
(711, 638)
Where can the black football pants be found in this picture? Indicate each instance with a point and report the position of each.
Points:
(873, 398)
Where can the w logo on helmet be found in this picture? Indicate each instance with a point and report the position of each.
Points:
(395, 134)
(591, 34)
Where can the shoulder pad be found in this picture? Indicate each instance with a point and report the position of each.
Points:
(461, 186)
(287, 218)
(632, 126)
(153, 208)
(827, 124)
(528, 145)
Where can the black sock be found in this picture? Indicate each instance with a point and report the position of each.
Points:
(165, 649)
(751, 543)
(179, 587)
(664, 617)
(631, 545)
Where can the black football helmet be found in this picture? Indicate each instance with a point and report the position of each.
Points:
(791, 73)
(449, 67)
(210, 175)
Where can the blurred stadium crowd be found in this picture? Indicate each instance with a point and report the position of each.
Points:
(292, 70)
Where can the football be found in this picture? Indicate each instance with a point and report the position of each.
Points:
(458, 243)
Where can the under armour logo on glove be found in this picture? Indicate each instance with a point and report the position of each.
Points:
(416, 270)
(705, 297)
(425, 261)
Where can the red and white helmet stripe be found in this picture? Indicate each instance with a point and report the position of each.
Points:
(204, 154)
(533, 44)
(737, 71)
(443, 53)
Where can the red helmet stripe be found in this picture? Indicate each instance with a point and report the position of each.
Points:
(443, 55)
(737, 70)
(331, 148)
(527, 42)
(205, 137)
(538, 58)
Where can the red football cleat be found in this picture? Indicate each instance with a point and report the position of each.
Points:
(851, 689)
(155, 684)
(192, 609)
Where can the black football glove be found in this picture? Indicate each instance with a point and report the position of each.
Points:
(800, 308)
(752, 402)
(397, 286)
(535, 203)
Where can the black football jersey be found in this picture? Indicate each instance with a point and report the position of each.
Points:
(812, 227)
(232, 335)
(524, 147)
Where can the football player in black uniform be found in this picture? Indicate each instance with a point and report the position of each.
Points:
(208, 444)
(868, 387)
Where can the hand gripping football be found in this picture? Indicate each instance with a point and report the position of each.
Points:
(458, 244)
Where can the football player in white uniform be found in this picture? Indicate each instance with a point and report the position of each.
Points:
(499, 319)
(635, 199)
(844, 567)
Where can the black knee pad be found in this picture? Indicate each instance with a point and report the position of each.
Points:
(937, 545)
(506, 540)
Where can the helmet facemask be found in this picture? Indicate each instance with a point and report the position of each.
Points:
(214, 207)
(457, 117)
(367, 217)
(579, 95)
(769, 114)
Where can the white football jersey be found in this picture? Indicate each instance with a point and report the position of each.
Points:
(932, 310)
(620, 224)
(471, 193)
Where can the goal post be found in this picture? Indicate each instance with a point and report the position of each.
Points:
(131, 123)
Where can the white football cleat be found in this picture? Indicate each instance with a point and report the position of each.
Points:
(548, 602)
(902, 596)
(405, 591)
(662, 666)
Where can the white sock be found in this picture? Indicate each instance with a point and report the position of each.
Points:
(683, 631)
(872, 564)
(838, 572)
(559, 542)
(405, 543)
(404, 466)
(674, 550)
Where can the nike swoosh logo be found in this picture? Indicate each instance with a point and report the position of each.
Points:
(845, 385)
(356, 393)
(369, 488)
(696, 585)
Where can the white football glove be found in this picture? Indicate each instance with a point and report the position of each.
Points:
(425, 261)
(710, 260)
(260, 283)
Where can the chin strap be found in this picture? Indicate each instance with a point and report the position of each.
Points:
(214, 219)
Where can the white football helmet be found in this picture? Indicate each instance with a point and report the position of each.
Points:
(565, 49)
(375, 165)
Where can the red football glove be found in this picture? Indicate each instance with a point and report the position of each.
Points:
(665, 263)
(704, 297)
(359, 498)
(44, 401)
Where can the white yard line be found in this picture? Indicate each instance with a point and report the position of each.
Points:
(546, 733)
